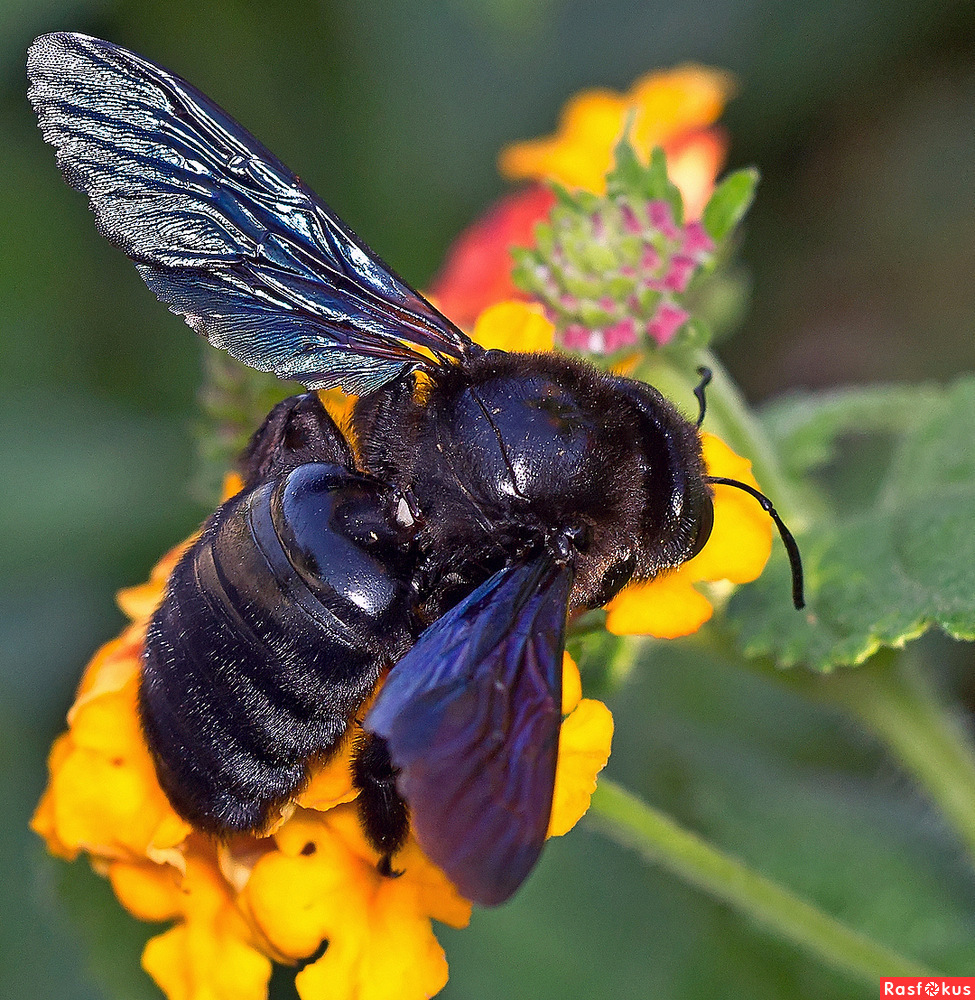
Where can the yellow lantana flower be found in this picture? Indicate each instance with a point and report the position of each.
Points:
(311, 881)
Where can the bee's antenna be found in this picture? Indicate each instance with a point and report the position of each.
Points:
(795, 560)
(706, 377)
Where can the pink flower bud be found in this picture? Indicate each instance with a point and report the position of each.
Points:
(667, 320)
(619, 335)
(679, 274)
(650, 259)
(662, 219)
(697, 243)
(632, 223)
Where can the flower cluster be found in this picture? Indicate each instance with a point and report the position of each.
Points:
(674, 110)
(611, 271)
(307, 892)
(311, 880)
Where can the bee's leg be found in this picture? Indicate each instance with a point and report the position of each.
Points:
(383, 814)
(297, 431)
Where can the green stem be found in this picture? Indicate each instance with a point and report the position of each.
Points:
(893, 697)
(660, 840)
(732, 420)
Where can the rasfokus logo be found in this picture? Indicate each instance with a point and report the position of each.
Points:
(931, 986)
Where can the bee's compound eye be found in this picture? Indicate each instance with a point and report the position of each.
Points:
(581, 537)
(616, 577)
(704, 526)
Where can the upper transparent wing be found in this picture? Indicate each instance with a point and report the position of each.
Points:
(221, 230)
(471, 715)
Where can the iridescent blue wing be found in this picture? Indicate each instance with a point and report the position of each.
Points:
(471, 715)
(221, 230)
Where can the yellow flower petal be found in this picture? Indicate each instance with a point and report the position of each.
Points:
(741, 540)
(666, 607)
(571, 684)
(141, 601)
(740, 543)
(209, 955)
(514, 326)
(399, 958)
(678, 100)
(338, 405)
(297, 895)
(322, 884)
(330, 784)
(584, 746)
(44, 821)
(147, 891)
(666, 107)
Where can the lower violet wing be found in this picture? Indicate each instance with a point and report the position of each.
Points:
(471, 715)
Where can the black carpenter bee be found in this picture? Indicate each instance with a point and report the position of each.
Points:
(490, 494)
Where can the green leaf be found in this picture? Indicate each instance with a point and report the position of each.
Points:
(806, 426)
(783, 783)
(891, 570)
(729, 202)
(626, 176)
(658, 184)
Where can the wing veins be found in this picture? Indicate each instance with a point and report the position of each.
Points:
(222, 230)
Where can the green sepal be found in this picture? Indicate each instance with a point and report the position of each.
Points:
(234, 400)
(630, 179)
(729, 202)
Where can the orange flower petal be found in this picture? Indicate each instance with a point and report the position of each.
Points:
(477, 270)
(693, 162)
(233, 483)
(665, 105)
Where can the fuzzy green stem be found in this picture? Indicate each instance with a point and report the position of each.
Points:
(634, 824)
(734, 422)
(893, 698)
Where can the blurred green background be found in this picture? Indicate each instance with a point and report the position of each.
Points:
(860, 115)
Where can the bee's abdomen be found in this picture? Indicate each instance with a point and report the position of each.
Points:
(263, 649)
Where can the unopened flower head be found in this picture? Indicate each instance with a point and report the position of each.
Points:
(614, 270)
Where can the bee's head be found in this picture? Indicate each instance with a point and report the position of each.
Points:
(661, 512)
(603, 467)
